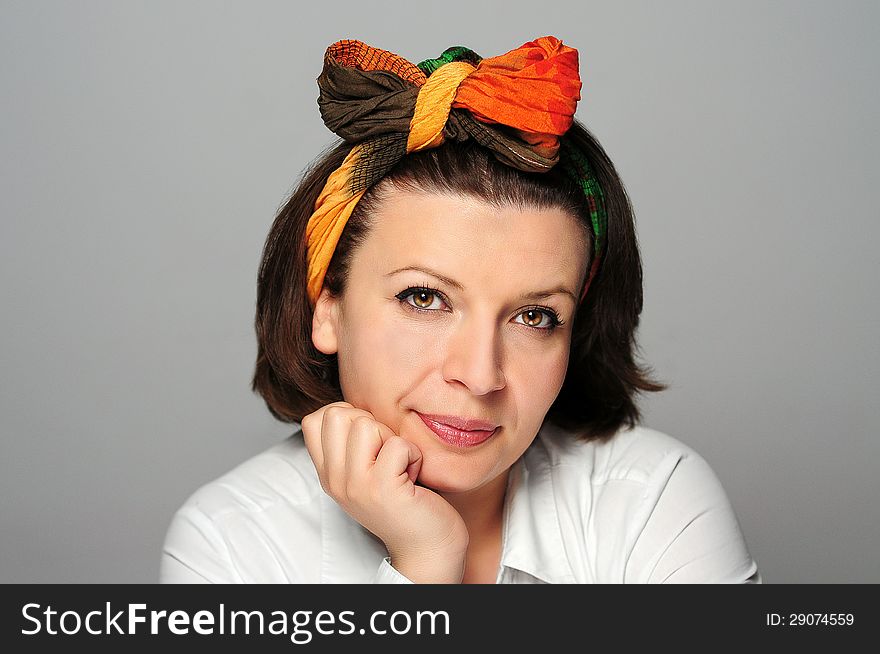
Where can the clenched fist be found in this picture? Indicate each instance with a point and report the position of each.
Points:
(370, 472)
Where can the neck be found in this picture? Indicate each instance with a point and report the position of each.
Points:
(482, 510)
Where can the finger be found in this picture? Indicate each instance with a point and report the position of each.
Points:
(311, 429)
(364, 443)
(312, 426)
(398, 457)
(385, 432)
(334, 436)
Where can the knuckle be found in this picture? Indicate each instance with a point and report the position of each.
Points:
(307, 423)
(309, 418)
(362, 423)
(395, 443)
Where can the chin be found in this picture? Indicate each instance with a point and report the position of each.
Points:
(447, 477)
(446, 471)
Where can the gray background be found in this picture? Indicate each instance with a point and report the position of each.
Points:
(147, 145)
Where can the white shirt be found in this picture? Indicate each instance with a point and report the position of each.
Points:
(640, 508)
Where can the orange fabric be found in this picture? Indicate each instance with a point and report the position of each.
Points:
(534, 88)
(357, 54)
(332, 211)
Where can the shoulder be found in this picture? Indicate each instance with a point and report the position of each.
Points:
(645, 505)
(632, 470)
(628, 473)
(242, 525)
(636, 455)
(283, 473)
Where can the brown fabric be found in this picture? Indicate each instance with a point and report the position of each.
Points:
(358, 102)
(516, 105)
(358, 105)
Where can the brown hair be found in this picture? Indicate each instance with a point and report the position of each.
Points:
(598, 395)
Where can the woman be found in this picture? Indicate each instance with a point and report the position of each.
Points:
(447, 306)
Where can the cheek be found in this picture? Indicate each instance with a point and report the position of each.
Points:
(537, 379)
(399, 352)
(381, 362)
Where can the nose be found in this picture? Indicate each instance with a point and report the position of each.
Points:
(473, 357)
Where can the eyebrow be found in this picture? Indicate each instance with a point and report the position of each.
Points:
(537, 295)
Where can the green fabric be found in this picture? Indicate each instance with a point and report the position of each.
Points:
(457, 53)
(578, 169)
(375, 108)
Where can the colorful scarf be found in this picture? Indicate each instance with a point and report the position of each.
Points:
(517, 105)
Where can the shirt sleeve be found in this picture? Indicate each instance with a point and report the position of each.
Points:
(194, 552)
(388, 574)
(690, 533)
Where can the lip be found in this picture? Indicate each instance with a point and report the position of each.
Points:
(460, 432)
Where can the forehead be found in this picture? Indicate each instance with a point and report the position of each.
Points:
(475, 242)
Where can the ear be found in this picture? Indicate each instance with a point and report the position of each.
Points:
(325, 323)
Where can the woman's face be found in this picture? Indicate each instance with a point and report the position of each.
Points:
(449, 311)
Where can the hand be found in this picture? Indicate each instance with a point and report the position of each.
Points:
(370, 472)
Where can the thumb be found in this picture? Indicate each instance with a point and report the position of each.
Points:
(415, 454)
(415, 462)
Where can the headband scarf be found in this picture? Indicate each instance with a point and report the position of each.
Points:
(517, 105)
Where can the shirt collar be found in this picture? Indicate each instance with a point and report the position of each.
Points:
(532, 538)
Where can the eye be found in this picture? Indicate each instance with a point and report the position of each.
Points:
(422, 298)
(539, 318)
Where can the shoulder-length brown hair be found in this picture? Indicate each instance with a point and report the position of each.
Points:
(598, 395)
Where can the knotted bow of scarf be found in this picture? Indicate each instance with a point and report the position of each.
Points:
(517, 105)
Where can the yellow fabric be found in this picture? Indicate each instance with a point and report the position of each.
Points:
(334, 206)
(332, 211)
(433, 105)
(532, 91)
